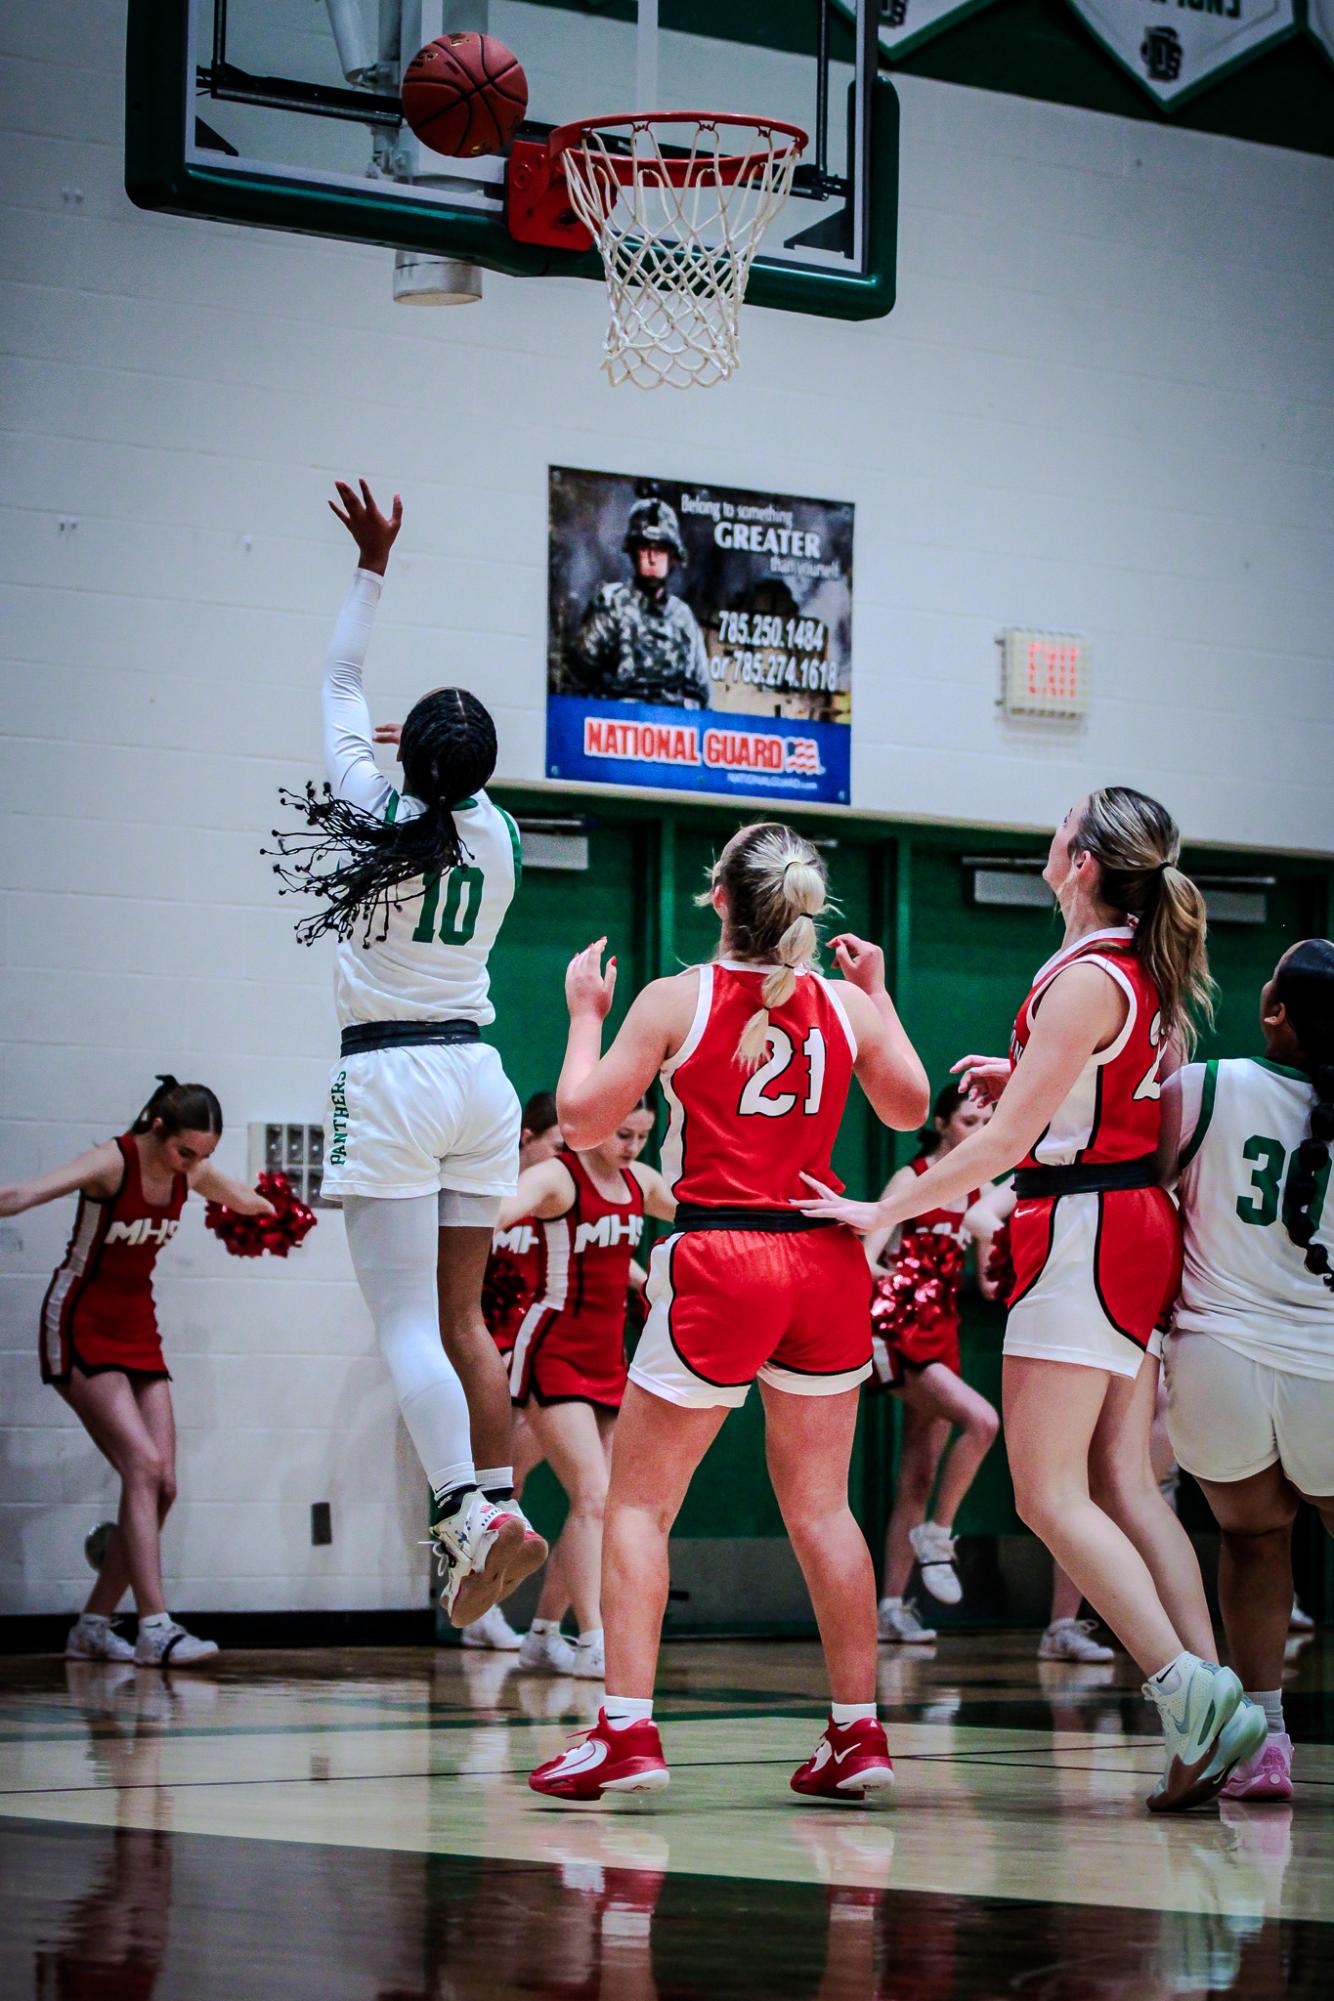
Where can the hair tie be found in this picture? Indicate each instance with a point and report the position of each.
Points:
(1161, 868)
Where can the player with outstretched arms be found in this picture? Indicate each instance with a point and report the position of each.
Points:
(423, 1127)
(756, 1053)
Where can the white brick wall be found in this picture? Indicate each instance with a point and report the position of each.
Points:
(1104, 403)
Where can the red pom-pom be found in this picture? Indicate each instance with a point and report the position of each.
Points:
(503, 1289)
(1000, 1265)
(252, 1236)
(921, 1286)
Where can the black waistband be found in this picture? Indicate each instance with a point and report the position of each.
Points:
(363, 1035)
(1085, 1178)
(773, 1222)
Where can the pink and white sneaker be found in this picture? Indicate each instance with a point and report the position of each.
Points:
(850, 1762)
(605, 1761)
(1266, 1774)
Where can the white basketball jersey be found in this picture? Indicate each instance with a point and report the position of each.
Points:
(1245, 1281)
(431, 964)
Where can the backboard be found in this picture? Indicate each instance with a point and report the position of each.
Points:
(285, 114)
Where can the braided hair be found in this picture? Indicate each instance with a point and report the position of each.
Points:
(356, 863)
(1304, 982)
(776, 886)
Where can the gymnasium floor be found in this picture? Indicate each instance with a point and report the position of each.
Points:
(356, 1824)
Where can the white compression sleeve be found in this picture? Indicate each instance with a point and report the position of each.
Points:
(393, 1246)
(349, 757)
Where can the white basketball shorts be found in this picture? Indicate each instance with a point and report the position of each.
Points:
(414, 1120)
(1230, 1415)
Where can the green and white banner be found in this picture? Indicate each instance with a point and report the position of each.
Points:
(905, 23)
(1175, 47)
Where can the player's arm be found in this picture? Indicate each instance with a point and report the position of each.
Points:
(659, 1200)
(885, 1239)
(887, 1066)
(544, 1191)
(348, 756)
(1082, 1011)
(638, 1276)
(991, 1211)
(96, 1173)
(1182, 1106)
(215, 1186)
(596, 1092)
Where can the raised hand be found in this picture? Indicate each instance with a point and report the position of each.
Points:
(373, 532)
(388, 733)
(859, 961)
(863, 1217)
(983, 1078)
(588, 990)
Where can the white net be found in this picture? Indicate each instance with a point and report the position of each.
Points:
(677, 208)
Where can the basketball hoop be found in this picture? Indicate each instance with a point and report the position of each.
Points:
(677, 203)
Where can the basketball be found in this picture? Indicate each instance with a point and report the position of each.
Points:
(464, 95)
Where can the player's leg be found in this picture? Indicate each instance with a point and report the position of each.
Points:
(464, 1247)
(1052, 1412)
(1255, 1570)
(572, 1444)
(921, 1442)
(153, 1397)
(1123, 1482)
(974, 1424)
(105, 1405)
(808, 1448)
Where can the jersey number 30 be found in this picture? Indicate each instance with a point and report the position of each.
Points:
(782, 1051)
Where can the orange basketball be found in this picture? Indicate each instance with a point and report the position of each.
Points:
(464, 95)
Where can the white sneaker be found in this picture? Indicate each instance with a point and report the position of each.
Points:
(1208, 1727)
(170, 1646)
(492, 1630)
(546, 1653)
(1071, 1640)
(483, 1551)
(96, 1640)
(590, 1659)
(1299, 1620)
(933, 1547)
(897, 1622)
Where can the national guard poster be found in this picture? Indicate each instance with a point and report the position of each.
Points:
(699, 637)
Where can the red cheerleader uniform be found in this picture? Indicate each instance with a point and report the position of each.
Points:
(746, 1285)
(913, 1346)
(513, 1280)
(1096, 1242)
(570, 1343)
(99, 1312)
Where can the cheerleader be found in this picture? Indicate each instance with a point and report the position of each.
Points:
(921, 1365)
(757, 1053)
(422, 1131)
(568, 1367)
(101, 1350)
(1097, 1250)
(1250, 1360)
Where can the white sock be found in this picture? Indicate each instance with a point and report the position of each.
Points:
(496, 1482)
(1169, 1679)
(94, 1619)
(1271, 1701)
(591, 1637)
(623, 1710)
(541, 1626)
(844, 1713)
(155, 1619)
(890, 1604)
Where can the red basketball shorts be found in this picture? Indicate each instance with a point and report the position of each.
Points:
(726, 1306)
(1094, 1276)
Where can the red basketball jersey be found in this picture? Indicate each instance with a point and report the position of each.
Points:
(743, 1138)
(571, 1339)
(515, 1272)
(99, 1309)
(1113, 1112)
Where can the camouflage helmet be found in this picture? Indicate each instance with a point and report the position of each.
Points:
(653, 525)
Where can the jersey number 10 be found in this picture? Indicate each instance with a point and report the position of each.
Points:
(782, 1052)
(463, 907)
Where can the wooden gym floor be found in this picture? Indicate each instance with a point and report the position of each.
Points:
(355, 1826)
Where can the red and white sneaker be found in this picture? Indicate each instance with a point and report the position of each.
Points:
(603, 1761)
(1265, 1775)
(484, 1550)
(850, 1762)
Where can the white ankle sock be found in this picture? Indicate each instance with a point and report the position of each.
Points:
(844, 1713)
(94, 1619)
(541, 1626)
(591, 1637)
(890, 1604)
(1271, 1701)
(155, 1619)
(1169, 1679)
(623, 1710)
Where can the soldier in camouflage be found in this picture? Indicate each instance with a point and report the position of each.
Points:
(636, 642)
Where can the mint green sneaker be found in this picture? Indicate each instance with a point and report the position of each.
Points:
(1208, 1726)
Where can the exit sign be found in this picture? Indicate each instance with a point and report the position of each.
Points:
(1046, 673)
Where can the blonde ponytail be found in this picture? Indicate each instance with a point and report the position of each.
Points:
(1136, 843)
(776, 885)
